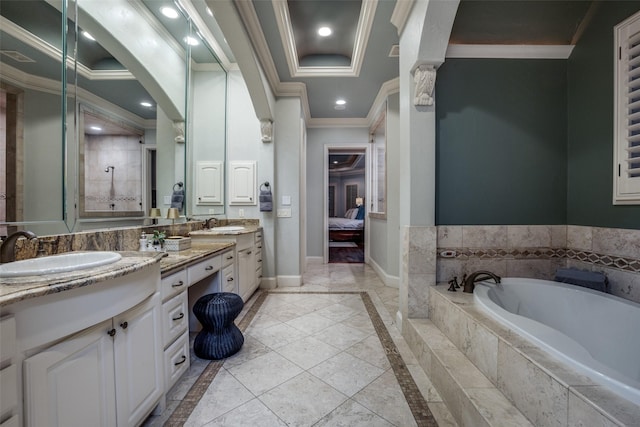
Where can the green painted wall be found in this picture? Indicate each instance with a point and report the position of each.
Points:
(501, 142)
(590, 124)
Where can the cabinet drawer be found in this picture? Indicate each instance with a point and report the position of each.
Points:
(176, 360)
(173, 284)
(8, 388)
(228, 278)
(203, 269)
(175, 318)
(258, 236)
(7, 338)
(228, 258)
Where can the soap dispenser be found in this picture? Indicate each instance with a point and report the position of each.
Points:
(143, 242)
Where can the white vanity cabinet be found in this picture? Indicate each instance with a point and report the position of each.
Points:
(175, 322)
(228, 282)
(8, 373)
(109, 374)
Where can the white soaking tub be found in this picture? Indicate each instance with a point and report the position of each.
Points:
(596, 333)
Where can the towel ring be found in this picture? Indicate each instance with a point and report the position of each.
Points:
(265, 184)
(179, 184)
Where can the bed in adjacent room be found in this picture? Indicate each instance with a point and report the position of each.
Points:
(347, 228)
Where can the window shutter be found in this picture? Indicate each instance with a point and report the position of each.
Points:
(627, 139)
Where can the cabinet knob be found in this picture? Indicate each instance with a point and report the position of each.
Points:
(230, 279)
(111, 332)
(177, 284)
(178, 318)
(209, 267)
(124, 325)
(182, 360)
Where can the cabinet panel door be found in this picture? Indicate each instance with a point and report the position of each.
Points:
(242, 183)
(138, 361)
(209, 180)
(72, 383)
(247, 273)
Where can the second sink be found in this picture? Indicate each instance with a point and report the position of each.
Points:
(62, 263)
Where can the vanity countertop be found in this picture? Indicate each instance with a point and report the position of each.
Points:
(16, 289)
(213, 232)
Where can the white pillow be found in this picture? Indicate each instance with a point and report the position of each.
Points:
(351, 213)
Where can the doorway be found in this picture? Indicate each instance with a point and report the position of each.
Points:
(345, 190)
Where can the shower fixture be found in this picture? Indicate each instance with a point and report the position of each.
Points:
(109, 167)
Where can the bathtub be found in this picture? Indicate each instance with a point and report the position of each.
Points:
(595, 333)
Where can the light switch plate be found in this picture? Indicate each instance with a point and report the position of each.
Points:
(286, 200)
(284, 213)
(167, 200)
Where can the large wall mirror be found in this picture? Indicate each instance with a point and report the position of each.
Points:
(137, 83)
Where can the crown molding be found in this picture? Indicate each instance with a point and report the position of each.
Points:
(102, 104)
(365, 22)
(401, 14)
(492, 51)
(337, 122)
(28, 81)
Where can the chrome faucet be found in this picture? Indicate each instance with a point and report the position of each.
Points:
(470, 282)
(8, 248)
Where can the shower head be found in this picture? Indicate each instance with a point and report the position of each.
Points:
(109, 167)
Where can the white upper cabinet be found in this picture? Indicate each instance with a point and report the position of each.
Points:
(209, 183)
(242, 183)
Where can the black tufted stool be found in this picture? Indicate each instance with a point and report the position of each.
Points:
(219, 337)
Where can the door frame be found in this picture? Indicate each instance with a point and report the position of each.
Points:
(361, 147)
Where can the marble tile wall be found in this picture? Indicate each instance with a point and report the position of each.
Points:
(537, 251)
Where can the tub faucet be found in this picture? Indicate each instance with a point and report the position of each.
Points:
(470, 282)
(8, 248)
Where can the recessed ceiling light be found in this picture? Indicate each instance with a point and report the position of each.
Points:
(341, 102)
(169, 12)
(339, 107)
(96, 127)
(191, 41)
(209, 11)
(324, 31)
(146, 104)
(89, 36)
(335, 162)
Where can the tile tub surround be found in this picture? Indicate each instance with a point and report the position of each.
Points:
(537, 251)
(544, 390)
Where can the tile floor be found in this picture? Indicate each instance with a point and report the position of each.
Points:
(325, 354)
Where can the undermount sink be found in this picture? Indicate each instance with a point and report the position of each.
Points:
(62, 263)
(228, 228)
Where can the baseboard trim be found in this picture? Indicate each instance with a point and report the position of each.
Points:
(289, 281)
(315, 260)
(388, 280)
(268, 283)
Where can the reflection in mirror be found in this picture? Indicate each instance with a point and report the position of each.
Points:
(32, 131)
(111, 165)
(206, 129)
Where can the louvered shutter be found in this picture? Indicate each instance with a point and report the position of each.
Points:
(627, 138)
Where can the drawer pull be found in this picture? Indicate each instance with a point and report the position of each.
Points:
(260, 247)
(248, 252)
(111, 332)
(178, 284)
(230, 257)
(184, 359)
(178, 318)
(230, 279)
(124, 325)
(209, 267)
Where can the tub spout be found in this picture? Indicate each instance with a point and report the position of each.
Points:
(470, 282)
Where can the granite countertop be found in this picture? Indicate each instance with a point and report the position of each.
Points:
(17, 289)
(212, 231)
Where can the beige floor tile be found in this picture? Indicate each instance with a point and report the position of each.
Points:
(352, 414)
(265, 372)
(346, 373)
(308, 352)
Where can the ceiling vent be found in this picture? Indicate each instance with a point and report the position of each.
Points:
(395, 51)
(17, 56)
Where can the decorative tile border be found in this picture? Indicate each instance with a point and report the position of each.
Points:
(620, 263)
(415, 400)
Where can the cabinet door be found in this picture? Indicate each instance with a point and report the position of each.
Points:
(209, 179)
(72, 383)
(242, 183)
(138, 361)
(247, 273)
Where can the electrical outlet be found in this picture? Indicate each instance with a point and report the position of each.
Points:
(241, 213)
(284, 213)
(167, 200)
